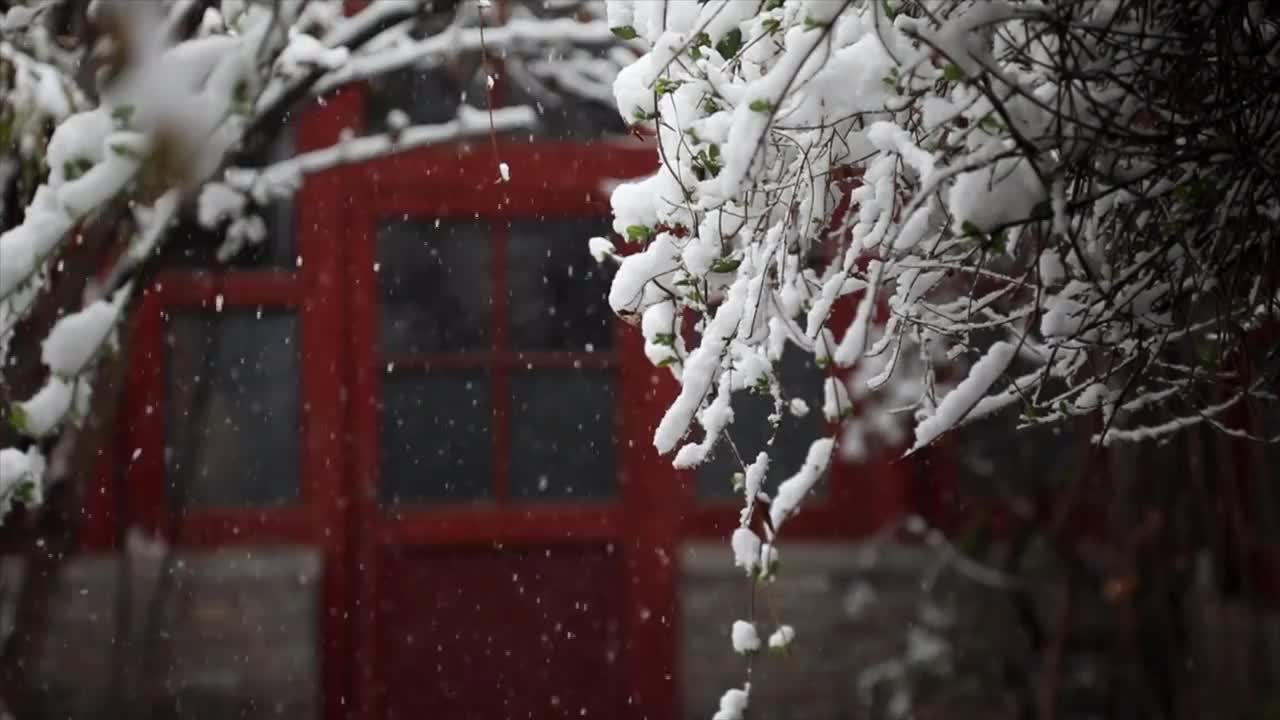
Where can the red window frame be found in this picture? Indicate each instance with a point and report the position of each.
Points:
(310, 291)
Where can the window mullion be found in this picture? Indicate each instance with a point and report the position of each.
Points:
(501, 373)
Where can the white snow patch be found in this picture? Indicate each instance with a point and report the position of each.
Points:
(957, 403)
(745, 638)
(782, 637)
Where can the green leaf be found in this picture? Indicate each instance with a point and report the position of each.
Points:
(1000, 241)
(811, 24)
(241, 98)
(73, 169)
(665, 86)
(667, 339)
(25, 493)
(952, 73)
(18, 419)
(124, 150)
(726, 265)
(639, 233)
(730, 43)
(771, 25)
(773, 4)
(707, 163)
(969, 229)
(761, 105)
(625, 32)
(122, 114)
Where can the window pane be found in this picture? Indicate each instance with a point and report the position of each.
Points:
(750, 431)
(232, 409)
(437, 286)
(569, 83)
(558, 293)
(426, 95)
(436, 437)
(553, 86)
(562, 435)
(430, 91)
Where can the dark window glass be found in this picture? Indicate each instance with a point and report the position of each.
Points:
(801, 378)
(553, 86)
(558, 292)
(568, 85)
(436, 436)
(232, 409)
(562, 430)
(429, 92)
(437, 287)
(426, 95)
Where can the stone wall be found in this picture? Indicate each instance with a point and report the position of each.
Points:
(863, 625)
(235, 637)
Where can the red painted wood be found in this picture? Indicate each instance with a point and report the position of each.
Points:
(469, 632)
(366, 367)
(511, 524)
(506, 360)
(656, 498)
(323, 211)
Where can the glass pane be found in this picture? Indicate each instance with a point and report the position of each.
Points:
(562, 435)
(750, 431)
(568, 84)
(425, 95)
(567, 90)
(437, 437)
(431, 91)
(558, 293)
(232, 409)
(437, 286)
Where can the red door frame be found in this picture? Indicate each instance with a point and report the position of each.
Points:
(553, 179)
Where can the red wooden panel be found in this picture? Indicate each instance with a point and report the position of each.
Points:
(480, 634)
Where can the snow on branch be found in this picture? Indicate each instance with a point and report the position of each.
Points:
(410, 51)
(286, 176)
(902, 189)
(181, 89)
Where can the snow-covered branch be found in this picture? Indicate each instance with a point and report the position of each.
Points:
(956, 208)
(183, 96)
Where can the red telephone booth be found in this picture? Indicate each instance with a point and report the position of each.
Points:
(421, 380)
